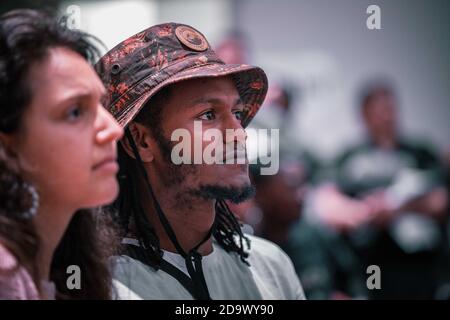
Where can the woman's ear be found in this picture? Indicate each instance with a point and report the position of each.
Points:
(143, 141)
(6, 142)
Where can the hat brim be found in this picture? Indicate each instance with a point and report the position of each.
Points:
(251, 83)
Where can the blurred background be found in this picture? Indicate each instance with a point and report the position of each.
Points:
(364, 126)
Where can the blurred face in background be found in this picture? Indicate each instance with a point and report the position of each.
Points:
(380, 116)
(233, 51)
(281, 196)
(278, 96)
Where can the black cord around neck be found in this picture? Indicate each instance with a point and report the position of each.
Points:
(193, 258)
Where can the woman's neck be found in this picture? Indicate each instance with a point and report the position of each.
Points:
(51, 222)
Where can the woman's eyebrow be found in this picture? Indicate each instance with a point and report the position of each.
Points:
(79, 95)
(74, 97)
(83, 94)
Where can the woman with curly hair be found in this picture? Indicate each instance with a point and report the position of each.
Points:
(57, 159)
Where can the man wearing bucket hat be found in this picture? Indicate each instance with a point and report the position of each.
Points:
(181, 241)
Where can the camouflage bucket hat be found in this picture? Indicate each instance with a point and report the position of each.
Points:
(137, 68)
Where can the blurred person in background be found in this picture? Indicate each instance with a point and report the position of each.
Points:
(280, 199)
(57, 160)
(443, 290)
(389, 203)
(272, 116)
(325, 265)
(233, 48)
(275, 115)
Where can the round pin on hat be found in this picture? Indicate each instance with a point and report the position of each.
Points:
(191, 38)
(162, 55)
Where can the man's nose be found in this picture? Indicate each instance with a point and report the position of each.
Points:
(234, 131)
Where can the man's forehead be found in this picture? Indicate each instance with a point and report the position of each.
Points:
(208, 89)
(218, 99)
(224, 81)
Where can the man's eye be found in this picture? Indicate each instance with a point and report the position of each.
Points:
(239, 114)
(209, 115)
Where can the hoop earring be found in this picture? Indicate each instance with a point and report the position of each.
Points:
(32, 210)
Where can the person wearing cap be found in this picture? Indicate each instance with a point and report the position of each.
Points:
(180, 239)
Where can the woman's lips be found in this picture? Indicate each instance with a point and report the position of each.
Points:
(108, 164)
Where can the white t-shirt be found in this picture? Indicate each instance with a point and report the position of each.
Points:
(271, 275)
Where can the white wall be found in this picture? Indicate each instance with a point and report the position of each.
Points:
(327, 47)
(115, 20)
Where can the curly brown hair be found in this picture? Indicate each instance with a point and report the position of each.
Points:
(25, 38)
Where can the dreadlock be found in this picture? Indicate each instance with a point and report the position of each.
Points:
(227, 228)
(130, 214)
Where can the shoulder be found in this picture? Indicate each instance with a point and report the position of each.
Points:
(265, 249)
(274, 268)
(268, 256)
(350, 152)
(124, 265)
(424, 153)
(134, 280)
(8, 261)
(128, 276)
(15, 282)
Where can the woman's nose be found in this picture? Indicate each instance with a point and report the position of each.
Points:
(108, 128)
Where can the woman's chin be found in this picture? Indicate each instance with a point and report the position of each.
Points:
(104, 195)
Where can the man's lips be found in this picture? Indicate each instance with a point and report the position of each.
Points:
(235, 156)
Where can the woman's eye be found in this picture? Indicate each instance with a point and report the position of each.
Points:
(209, 115)
(74, 113)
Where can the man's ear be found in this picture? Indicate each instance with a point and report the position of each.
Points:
(143, 141)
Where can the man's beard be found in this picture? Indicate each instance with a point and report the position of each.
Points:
(176, 175)
(217, 192)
